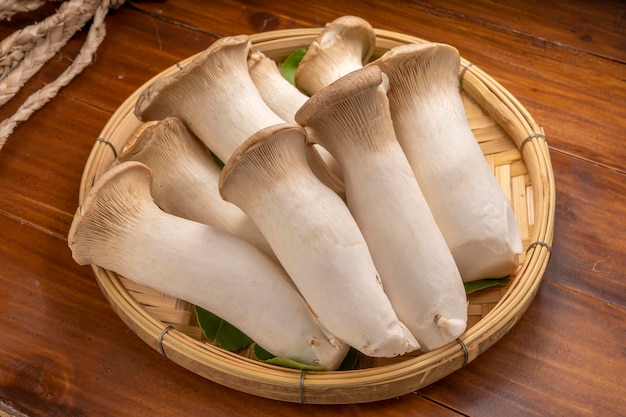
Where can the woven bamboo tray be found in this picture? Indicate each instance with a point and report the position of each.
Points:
(517, 151)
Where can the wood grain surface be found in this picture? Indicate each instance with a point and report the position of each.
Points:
(64, 352)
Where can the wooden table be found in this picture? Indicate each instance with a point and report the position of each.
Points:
(64, 352)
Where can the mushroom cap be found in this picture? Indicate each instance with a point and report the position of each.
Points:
(340, 90)
(215, 97)
(150, 133)
(426, 63)
(119, 190)
(353, 27)
(153, 102)
(245, 152)
(344, 44)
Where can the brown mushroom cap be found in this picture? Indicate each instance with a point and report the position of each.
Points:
(214, 96)
(344, 45)
(428, 66)
(176, 157)
(340, 90)
(161, 98)
(258, 148)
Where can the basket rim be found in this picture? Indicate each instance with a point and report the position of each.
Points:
(337, 387)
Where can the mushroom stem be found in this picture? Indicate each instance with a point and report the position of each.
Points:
(351, 119)
(214, 95)
(185, 180)
(429, 118)
(279, 94)
(285, 99)
(118, 227)
(344, 45)
(316, 240)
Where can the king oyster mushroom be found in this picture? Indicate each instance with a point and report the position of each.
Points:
(344, 45)
(120, 228)
(186, 177)
(351, 118)
(315, 238)
(430, 122)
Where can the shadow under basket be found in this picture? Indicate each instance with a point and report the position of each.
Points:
(517, 151)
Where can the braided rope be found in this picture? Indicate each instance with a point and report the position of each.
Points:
(23, 53)
(10, 7)
(57, 30)
(14, 47)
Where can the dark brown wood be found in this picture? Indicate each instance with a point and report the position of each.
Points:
(63, 350)
(522, 375)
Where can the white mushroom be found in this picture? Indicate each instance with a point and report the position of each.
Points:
(118, 227)
(469, 206)
(279, 94)
(214, 96)
(344, 45)
(315, 238)
(285, 100)
(185, 179)
(351, 119)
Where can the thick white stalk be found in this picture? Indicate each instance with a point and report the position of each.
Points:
(471, 209)
(351, 119)
(316, 240)
(186, 180)
(214, 96)
(285, 99)
(279, 94)
(119, 228)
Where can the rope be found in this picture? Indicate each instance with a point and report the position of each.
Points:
(13, 48)
(25, 52)
(10, 7)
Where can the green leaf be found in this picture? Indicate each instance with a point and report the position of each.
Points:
(349, 362)
(217, 160)
(220, 332)
(290, 65)
(470, 287)
(289, 363)
(264, 356)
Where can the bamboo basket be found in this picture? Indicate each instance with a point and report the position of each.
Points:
(517, 151)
